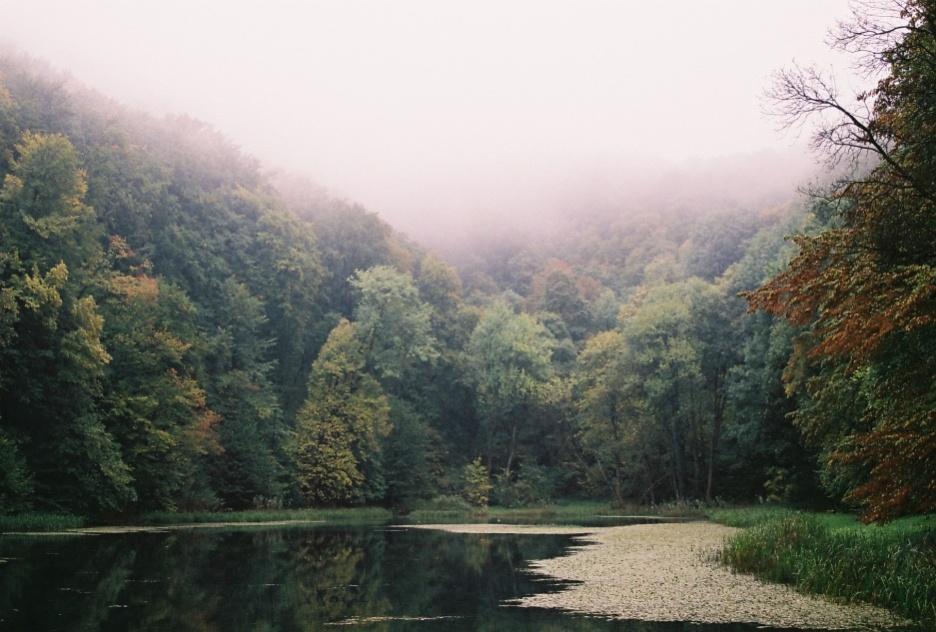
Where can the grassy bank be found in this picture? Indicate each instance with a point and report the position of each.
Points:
(443, 509)
(461, 512)
(563, 511)
(40, 521)
(890, 565)
(344, 515)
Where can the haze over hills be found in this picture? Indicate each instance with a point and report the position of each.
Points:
(444, 117)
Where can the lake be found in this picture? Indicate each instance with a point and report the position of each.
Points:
(302, 577)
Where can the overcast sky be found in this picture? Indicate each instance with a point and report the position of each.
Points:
(427, 110)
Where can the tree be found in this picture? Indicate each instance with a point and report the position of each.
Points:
(510, 367)
(557, 289)
(865, 288)
(251, 428)
(653, 394)
(411, 455)
(393, 324)
(154, 404)
(340, 426)
(15, 482)
(761, 442)
(43, 203)
(617, 434)
(440, 287)
(477, 483)
(53, 360)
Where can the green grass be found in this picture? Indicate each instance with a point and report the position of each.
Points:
(40, 521)
(564, 511)
(339, 515)
(560, 511)
(745, 517)
(892, 565)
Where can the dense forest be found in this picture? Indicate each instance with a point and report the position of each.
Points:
(180, 329)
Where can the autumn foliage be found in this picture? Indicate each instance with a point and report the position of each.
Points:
(864, 289)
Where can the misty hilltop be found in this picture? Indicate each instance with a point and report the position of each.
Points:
(446, 117)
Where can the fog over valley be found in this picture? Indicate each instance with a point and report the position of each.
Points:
(453, 118)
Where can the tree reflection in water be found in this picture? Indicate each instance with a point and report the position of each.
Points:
(294, 578)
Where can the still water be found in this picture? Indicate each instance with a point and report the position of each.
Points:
(286, 578)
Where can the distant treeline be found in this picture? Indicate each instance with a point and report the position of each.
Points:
(180, 331)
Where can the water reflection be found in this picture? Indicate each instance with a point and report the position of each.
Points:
(283, 579)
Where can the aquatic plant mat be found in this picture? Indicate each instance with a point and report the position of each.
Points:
(667, 572)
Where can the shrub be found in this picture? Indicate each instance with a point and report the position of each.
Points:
(477, 484)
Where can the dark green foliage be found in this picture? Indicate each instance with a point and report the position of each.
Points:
(15, 483)
(717, 242)
(251, 429)
(411, 457)
(510, 369)
(53, 329)
(533, 486)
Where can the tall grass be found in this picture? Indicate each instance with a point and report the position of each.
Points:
(893, 566)
(744, 517)
(40, 521)
(750, 516)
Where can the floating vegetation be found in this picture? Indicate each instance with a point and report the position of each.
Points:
(665, 572)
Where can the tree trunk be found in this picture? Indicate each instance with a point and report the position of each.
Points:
(676, 446)
(717, 417)
(510, 453)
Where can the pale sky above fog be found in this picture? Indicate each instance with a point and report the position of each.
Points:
(431, 110)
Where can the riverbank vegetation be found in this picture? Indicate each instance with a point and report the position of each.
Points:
(184, 334)
(835, 555)
(40, 521)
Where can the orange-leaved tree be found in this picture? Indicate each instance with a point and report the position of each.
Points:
(864, 288)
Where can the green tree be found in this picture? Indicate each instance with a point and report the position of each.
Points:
(340, 426)
(43, 203)
(154, 404)
(510, 368)
(557, 289)
(393, 324)
(617, 433)
(15, 481)
(53, 360)
(251, 428)
(477, 483)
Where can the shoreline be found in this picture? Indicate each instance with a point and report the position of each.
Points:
(163, 528)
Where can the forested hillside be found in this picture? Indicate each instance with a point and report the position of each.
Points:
(180, 330)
